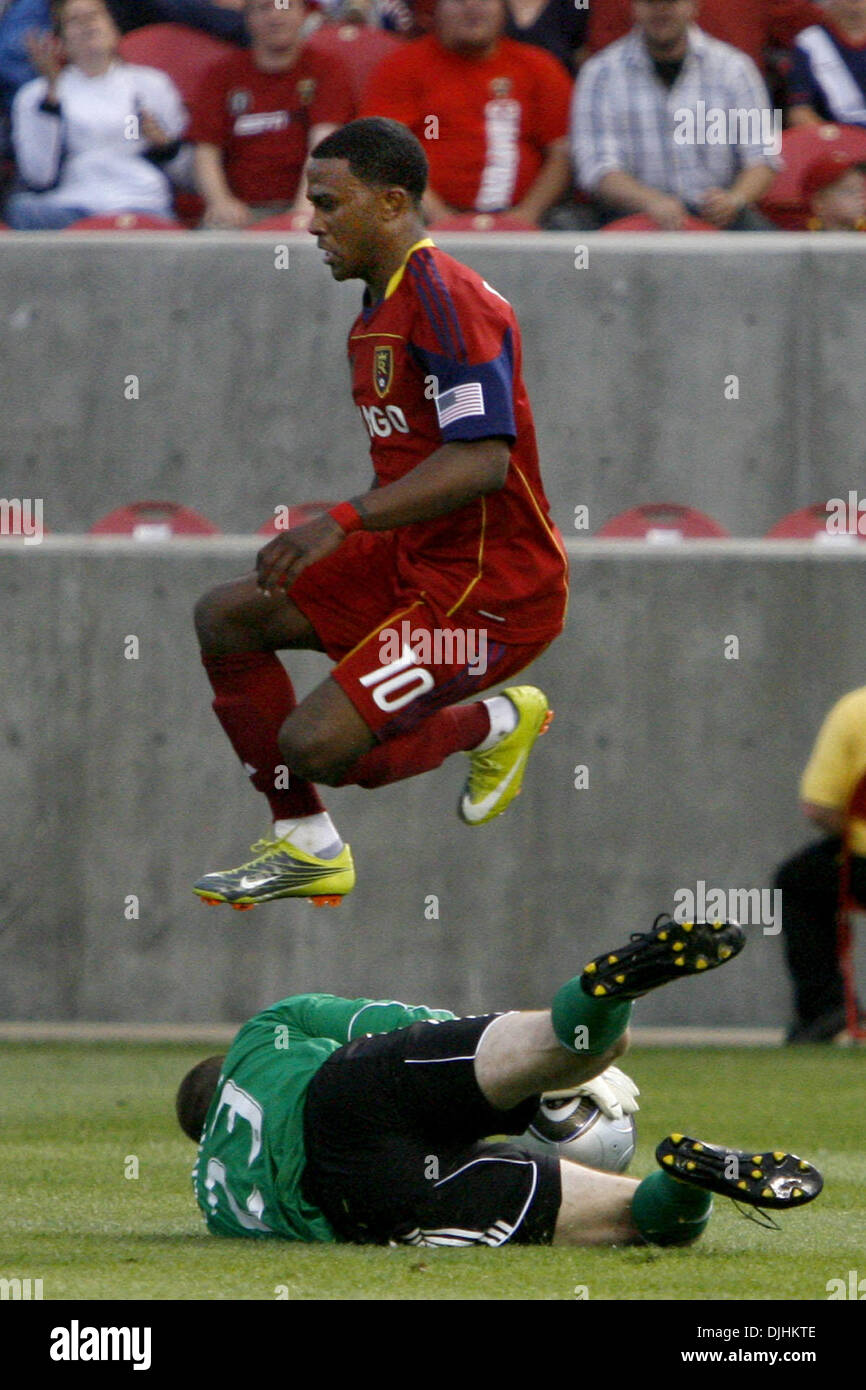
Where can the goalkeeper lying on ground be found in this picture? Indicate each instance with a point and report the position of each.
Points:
(365, 1121)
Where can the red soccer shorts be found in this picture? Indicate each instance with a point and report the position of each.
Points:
(399, 656)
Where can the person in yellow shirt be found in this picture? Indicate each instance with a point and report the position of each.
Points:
(810, 881)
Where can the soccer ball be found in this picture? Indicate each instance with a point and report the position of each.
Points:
(580, 1131)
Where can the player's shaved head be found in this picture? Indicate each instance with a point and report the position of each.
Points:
(194, 1095)
(379, 152)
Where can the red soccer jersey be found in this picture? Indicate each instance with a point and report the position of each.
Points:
(496, 116)
(261, 120)
(439, 360)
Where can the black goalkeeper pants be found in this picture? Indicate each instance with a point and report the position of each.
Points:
(394, 1128)
(810, 887)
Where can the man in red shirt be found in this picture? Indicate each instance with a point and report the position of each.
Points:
(260, 113)
(444, 579)
(492, 113)
(751, 25)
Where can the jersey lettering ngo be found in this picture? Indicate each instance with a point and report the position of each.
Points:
(438, 361)
(380, 423)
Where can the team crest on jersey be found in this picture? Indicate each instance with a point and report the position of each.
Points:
(383, 370)
(500, 87)
(239, 101)
(306, 90)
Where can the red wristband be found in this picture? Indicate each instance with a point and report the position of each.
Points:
(347, 517)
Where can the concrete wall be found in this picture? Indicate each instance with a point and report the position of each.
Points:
(244, 400)
(116, 780)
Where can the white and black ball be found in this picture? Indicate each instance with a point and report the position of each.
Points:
(581, 1132)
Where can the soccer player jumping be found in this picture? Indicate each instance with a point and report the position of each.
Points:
(443, 580)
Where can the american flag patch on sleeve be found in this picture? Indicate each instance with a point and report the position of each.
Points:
(459, 402)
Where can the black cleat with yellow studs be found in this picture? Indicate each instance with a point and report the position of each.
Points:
(666, 952)
(775, 1179)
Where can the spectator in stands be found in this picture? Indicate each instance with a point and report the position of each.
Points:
(492, 114)
(18, 18)
(92, 136)
(395, 16)
(828, 79)
(259, 114)
(750, 25)
(557, 25)
(656, 124)
(222, 18)
(834, 190)
(810, 881)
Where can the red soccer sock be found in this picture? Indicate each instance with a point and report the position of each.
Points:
(435, 739)
(253, 697)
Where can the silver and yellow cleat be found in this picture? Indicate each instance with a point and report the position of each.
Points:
(280, 870)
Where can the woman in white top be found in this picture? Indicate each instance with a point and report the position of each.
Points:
(92, 136)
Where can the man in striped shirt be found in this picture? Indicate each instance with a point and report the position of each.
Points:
(670, 122)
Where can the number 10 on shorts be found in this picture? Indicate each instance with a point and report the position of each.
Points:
(400, 682)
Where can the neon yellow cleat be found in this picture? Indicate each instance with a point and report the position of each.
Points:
(280, 870)
(496, 776)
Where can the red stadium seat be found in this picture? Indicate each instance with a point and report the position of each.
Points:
(185, 54)
(783, 202)
(153, 521)
(811, 523)
(848, 907)
(285, 518)
(661, 521)
(125, 222)
(640, 222)
(361, 47)
(483, 222)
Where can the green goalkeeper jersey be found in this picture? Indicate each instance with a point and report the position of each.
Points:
(247, 1177)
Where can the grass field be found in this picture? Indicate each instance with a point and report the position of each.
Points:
(74, 1116)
